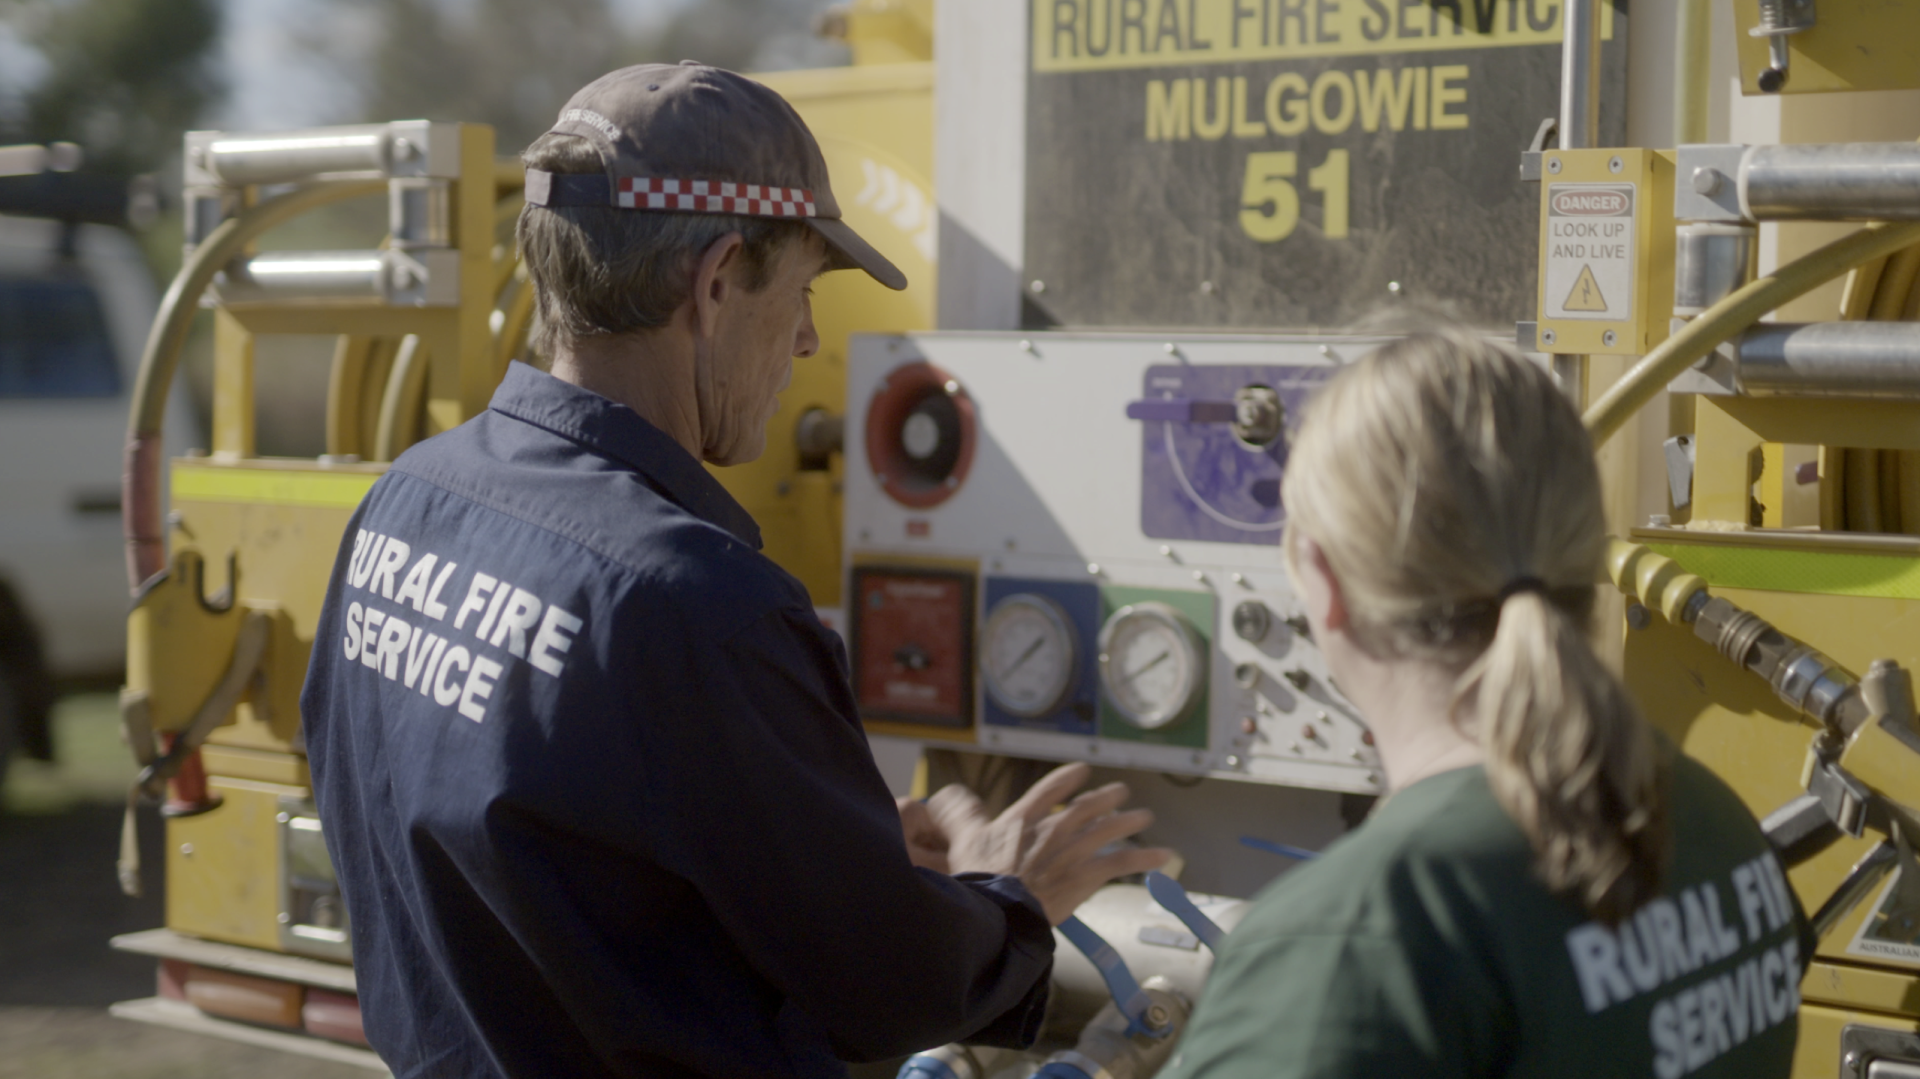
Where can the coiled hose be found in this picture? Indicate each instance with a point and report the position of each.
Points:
(140, 471)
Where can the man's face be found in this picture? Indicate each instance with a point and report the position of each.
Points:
(753, 349)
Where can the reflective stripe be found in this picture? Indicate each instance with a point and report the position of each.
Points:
(1786, 569)
(201, 483)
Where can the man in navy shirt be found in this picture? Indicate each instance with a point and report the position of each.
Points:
(590, 768)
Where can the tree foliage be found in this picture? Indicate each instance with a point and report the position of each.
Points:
(513, 64)
(124, 78)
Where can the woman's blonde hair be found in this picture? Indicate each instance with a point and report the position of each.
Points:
(1453, 490)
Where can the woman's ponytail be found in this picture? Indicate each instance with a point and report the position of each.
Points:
(1569, 758)
(1454, 493)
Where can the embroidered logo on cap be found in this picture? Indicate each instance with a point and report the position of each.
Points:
(591, 119)
(713, 197)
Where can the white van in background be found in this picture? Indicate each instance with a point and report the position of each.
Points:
(76, 302)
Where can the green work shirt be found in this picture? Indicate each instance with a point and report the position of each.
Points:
(1423, 945)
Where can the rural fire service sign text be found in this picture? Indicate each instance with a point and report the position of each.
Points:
(1589, 251)
(1295, 163)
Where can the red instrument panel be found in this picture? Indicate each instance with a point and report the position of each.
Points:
(912, 643)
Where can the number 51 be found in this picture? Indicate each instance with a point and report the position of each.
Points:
(1269, 184)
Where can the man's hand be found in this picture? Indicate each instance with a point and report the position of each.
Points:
(926, 843)
(1056, 855)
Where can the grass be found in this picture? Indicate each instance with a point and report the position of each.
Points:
(92, 764)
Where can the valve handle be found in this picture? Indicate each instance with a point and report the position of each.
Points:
(1183, 410)
(1132, 1000)
(1167, 892)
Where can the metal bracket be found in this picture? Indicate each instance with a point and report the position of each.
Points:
(1530, 167)
(1862, 1046)
(1846, 799)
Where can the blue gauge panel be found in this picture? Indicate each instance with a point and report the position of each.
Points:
(1079, 710)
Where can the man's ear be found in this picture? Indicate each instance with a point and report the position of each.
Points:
(713, 284)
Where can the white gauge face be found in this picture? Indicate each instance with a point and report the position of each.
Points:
(1152, 664)
(1029, 655)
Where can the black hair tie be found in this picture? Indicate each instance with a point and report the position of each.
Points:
(1519, 585)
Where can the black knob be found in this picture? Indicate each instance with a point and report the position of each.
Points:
(1298, 624)
(1252, 620)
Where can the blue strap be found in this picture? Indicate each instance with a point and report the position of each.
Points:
(568, 188)
(1282, 849)
(1167, 892)
(926, 1066)
(1132, 1000)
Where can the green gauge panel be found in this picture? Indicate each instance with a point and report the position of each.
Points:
(1156, 659)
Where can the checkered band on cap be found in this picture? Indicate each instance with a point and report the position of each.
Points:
(713, 197)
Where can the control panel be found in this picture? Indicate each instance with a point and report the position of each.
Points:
(1066, 546)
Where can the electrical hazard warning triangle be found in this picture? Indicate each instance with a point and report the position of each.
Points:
(1585, 294)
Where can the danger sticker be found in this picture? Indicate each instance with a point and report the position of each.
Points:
(1589, 252)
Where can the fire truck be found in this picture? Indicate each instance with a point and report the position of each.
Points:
(1140, 233)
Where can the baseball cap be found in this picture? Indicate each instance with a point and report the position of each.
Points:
(688, 138)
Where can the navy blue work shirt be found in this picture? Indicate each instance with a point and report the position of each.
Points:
(595, 790)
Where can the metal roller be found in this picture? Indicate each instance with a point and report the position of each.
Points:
(1831, 359)
(1710, 261)
(1865, 181)
(296, 155)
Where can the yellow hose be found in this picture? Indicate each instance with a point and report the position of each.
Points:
(140, 474)
(1735, 313)
(1654, 579)
(182, 301)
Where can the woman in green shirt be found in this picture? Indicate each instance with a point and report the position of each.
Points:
(1551, 889)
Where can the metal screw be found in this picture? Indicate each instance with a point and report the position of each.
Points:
(1248, 725)
(283, 917)
(1026, 346)
(1206, 287)
(1171, 349)
(1248, 675)
(1157, 1015)
(1548, 337)
(282, 818)
(1038, 287)
(1614, 164)
(1638, 617)
(1393, 287)
(403, 150)
(1237, 578)
(1167, 552)
(1553, 165)
(1609, 337)
(1199, 575)
(1233, 762)
(186, 849)
(1093, 569)
(1707, 181)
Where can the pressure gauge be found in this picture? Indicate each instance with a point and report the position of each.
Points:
(1029, 655)
(1153, 664)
